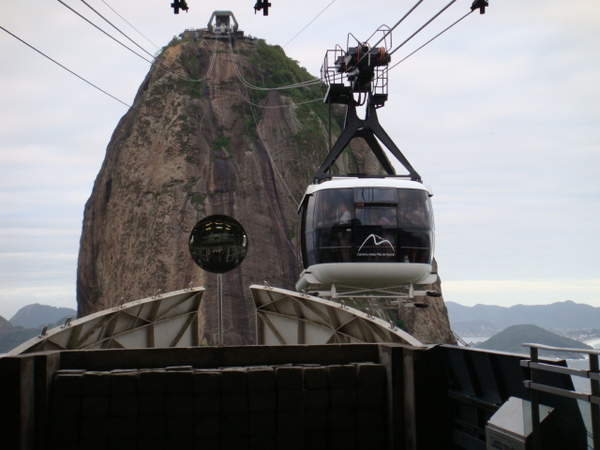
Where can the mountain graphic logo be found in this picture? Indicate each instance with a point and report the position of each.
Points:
(377, 241)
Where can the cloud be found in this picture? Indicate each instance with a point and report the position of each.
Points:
(37, 277)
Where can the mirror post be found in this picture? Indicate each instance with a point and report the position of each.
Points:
(218, 244)
(220, 309)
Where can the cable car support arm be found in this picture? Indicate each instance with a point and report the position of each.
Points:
(360, 70)
(369, 129)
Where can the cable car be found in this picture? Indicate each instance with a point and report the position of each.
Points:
(369, 233)
(366, 233)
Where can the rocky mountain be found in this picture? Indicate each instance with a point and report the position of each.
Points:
(201, 140)
(36, 315)
(512, 339)
(567, 315)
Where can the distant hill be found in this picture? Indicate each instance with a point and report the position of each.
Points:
(512, 339)
(29, 322)
(474, 328)
(566, 315)
(36, 315)
(13, 336)
(16, 337)
(5, 327)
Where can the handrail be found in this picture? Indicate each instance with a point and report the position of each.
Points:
(564, 349)
(534, 384)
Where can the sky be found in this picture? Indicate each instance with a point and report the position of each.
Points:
(500, 116)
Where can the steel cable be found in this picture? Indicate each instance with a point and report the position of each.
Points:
(154, 61)
(66, 68)
(424, 26)
(431, 40)
(309, 23)
(117, 28)
(128, 23)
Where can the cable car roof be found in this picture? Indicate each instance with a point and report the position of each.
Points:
(351, 182)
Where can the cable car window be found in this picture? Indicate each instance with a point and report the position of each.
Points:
(310, 214)
(309, 234)
(333, 206)
(377, 215)
(415, 246)
(415, 208)
(375, 195)
(332, 218)
(368, 224)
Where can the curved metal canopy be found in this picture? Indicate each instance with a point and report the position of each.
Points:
(171, 320)
(291, 318)
(167, 320)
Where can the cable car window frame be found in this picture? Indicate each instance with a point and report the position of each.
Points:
(329, 239)
(309, 246)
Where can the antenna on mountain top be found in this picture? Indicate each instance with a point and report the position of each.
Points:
(179, 4)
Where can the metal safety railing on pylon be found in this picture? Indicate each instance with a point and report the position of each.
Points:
(593, 398)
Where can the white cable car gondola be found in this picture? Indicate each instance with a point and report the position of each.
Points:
(363, 233)
(366, 233)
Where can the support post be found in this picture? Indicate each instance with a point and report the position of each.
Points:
(535, 403)
(220, 309)
(595, 407)
(410, 419)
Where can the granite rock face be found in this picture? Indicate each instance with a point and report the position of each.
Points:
(190, 149)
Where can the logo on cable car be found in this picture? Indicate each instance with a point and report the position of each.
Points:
(376, 246)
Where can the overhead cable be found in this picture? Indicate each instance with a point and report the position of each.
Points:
(410, 11)
(155, 62)
(213, 60)
(273, 165)
(117, 28)
(301, 84)
(247, 100)
(309, 23)
(104, 32)
(431, 40)
(65, 68)
(424, 25)
(152, 62)
(128, 23)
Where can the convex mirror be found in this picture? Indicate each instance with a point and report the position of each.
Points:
(218, 243)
